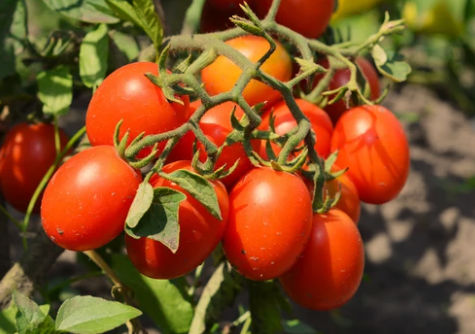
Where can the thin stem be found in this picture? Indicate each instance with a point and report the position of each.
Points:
(57, 140)
(196, 281)
(273, 11)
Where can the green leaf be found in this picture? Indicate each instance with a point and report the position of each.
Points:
(141, 204)
(126, 44)
(149, 21)
(395, 68)
(198, 187)
(166, 302)
(90, 315)
(220, 292)
(297, 327)
(29, 315)
(55, 90)
(83, 10)
(7, 319)
(264, 307)
(160, 222)
(379, 55)
(12, 33)
(93, 56)
(124, 10)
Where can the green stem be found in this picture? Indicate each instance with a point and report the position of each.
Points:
(57, 140)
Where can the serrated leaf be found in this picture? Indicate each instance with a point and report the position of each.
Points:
(141, 204)
(7, 319)
(160, 222)
(166, 302)
(124, 10)
(90, 315)
(265, 311)
(149, 21)
(395, 68)
(29, 315)
(93, 55)
(379, 55)
(297, 327)
(83, 10)
(198, 187)
(55, 90)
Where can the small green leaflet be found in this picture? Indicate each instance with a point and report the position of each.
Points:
(126, 44)
(7, 319)
(141, 204)
(93, 56)
(29, 316)
(124, 10)
(149, 21)
(55, 90)
(90, 315)
(160, 221)
(92, 11)
(297, 327)
(391, 65)
(264, 307)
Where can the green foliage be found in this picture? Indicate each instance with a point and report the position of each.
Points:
(55, 90)
(85, 10)
(93, 56)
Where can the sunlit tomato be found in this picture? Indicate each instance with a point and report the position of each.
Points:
(200, 233)
(372, 143)
(222, 75)
(27, 153)
(128, 95)
(86, 202)
(269, 223)
(330, 269)
(307, 17)
(342, 77)
(284, 122)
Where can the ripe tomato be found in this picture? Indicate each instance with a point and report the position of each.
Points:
(86, 202)
(216, 13)
(372, 143)
(227, 5)
(342, 77)
(330, 269)
(200, 233)
(128, 95)
(307, 17)
(284, 122)
(253, 47)
(27, 153)
(269, 223)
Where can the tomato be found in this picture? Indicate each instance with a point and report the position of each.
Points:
(277, 65)
(269, 223)
(307, 17)
(342, 77)
(330, 269)
(216, 13)
(88, 198)
(372, 143)
(227, 5)
(128, 95)
(27, 153)
(350, 7)
(200, 233)
(284, 122)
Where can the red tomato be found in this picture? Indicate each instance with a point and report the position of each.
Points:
(284, 122)
(27, 153)
(269, 223)
(330, 269)
(227, 5)
(253, 47)
(372, 143)
(215, 15)
(200, 233)
(128, 95)
(87, 200)
(307, 17)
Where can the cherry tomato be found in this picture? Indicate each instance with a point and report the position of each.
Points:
(330, 269)
(222, 74)
(269, 223)
(215, 15)
(307, 17)
(128, 95)
(200, 233)
(372, 143)
(27, 153)
(284, 122)
(228, 5)
(87, 200)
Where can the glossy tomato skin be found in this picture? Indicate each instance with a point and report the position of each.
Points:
(284, 122)
(253, 47)
(27, 153)
(200, 233)
(307, 17)
(372, 143)
(86, 202)
(128, 95)
(269, 223)
(329, 272)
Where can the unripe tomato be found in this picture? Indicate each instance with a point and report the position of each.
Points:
(222, 74)
(269, 223)
(87, 200)
(200, 233)
(329, 272)
(307, 17)
(372, 143)
(350, 7)
(27, 153)
(128, 95)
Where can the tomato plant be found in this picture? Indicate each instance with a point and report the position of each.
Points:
(87, 200)
(27, 153)
(372, 143)
(200, 233)
(330, 269)
(264, 236)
